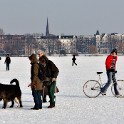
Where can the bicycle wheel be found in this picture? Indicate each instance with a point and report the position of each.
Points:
(92, 88)
(120, 88)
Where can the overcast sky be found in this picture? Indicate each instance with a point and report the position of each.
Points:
(65, 16)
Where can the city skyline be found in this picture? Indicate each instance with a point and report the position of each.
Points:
(65, 17)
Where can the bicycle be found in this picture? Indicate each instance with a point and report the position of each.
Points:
(92, 88)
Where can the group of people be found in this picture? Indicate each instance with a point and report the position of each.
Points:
(44, 74)
(44, 81)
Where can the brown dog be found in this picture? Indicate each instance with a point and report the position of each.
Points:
(10, 93)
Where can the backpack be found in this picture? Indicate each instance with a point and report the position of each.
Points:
(41, 73)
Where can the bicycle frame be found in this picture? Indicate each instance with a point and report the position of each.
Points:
(99, 79)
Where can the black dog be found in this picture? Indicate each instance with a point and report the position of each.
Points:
(10, 93)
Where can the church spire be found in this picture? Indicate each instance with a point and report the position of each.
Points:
(47, 28)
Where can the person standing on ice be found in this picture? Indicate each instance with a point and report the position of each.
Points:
(110, 71)
(73, 60)
(40, 54)
(51, 76)
(7, 62)
(36, 84)
(45, 89)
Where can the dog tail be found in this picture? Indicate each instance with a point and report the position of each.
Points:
(16, 81)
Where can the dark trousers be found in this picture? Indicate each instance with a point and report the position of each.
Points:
(73, 62)
(111, 78)
(7, 66)
(51, 91)
(37, 99)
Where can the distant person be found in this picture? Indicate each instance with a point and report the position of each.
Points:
(7, 62)
(36, 84)
(51, 76)
(73, 60)
(111, 70)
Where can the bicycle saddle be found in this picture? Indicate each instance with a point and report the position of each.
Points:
(99, 72)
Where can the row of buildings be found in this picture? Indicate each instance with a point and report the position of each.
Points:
(24, 45)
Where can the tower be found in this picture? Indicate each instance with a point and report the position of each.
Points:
(47, 28)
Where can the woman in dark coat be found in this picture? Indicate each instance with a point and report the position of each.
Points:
(36, 84)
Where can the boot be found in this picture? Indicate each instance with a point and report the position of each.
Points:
(54, 98)
(51, 105)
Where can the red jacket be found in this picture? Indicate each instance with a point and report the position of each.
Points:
(111, 62)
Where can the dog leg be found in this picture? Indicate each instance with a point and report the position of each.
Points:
(20, 102)
(4, 103)
(17, 101)
(12, 104)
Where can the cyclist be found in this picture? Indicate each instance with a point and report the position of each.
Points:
(110, 71)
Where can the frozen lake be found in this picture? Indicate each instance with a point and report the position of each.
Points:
(72, 106)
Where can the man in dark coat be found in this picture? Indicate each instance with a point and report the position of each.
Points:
(7, 61)
(51, 76)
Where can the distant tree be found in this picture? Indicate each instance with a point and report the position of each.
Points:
(62, 52)
(92, 49)
(120, 47)
(58, 46)
(14, 50)
(7, 48)
(1, 31)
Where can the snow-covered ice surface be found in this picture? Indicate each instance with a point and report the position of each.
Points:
(72, 106)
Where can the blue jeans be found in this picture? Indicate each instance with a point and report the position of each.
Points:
(37, 99)
(111, 77)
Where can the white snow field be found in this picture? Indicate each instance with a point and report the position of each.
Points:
(72, 106)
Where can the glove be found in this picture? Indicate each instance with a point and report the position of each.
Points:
(53, 79)
(29, 85)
